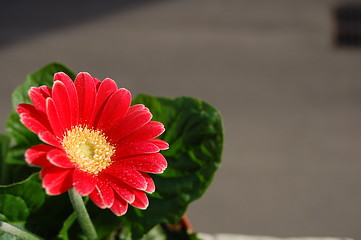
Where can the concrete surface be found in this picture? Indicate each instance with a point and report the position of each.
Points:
(205, 236)
(291, 102)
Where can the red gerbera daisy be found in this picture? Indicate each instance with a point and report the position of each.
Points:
(95, 141)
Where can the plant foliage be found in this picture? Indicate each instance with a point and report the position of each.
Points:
(193, 130)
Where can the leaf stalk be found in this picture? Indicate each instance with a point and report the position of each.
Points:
(17, 232)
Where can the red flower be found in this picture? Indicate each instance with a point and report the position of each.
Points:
(95, 141)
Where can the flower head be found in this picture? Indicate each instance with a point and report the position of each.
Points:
(95, 141)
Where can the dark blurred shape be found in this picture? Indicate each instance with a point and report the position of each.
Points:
(21, 19)
(347, 21)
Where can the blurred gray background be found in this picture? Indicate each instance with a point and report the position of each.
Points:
(290, 99)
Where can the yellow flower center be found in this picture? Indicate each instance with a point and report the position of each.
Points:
(88, 149)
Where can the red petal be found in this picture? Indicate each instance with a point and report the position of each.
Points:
(130, 123)
(102, 195)
(115, 109)
(151, 130)
(150, 183)
(83, 182)
(56, 180)
(31, 123)
(141, 200)
(73, 96)
(54, 118)
(97, 82)
(119, 207)
(45, 91)
(135, 149)
(62, 103)
(151, 163)
(86, 90)
(26, 108)
(163, 145)
(128, 175)
(106, 88)
(59, 159)
(38, 98)
(32, 119)
(36, 155)
(119, 187)
(63, 77)
(50, 139)
(135, 109)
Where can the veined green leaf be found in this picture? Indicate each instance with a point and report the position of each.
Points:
(194, 132)
(28, 192)
(4, 147)
(18, 201)
(41, 77)
(21, 137)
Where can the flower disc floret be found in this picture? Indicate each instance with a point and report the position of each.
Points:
(88, 149)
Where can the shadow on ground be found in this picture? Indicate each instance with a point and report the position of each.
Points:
(20, 20)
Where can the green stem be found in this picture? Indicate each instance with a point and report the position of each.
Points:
(17, 232)
(82, 214)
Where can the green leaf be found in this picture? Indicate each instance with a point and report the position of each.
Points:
(41, 77)
(39, 213)
(5, 236)
(194, 132)
(18, 201)
(14, 167)
(12, 208)
(15, 129)
(22, 138)
(156, 233)
(4, 147)
(29, 190)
